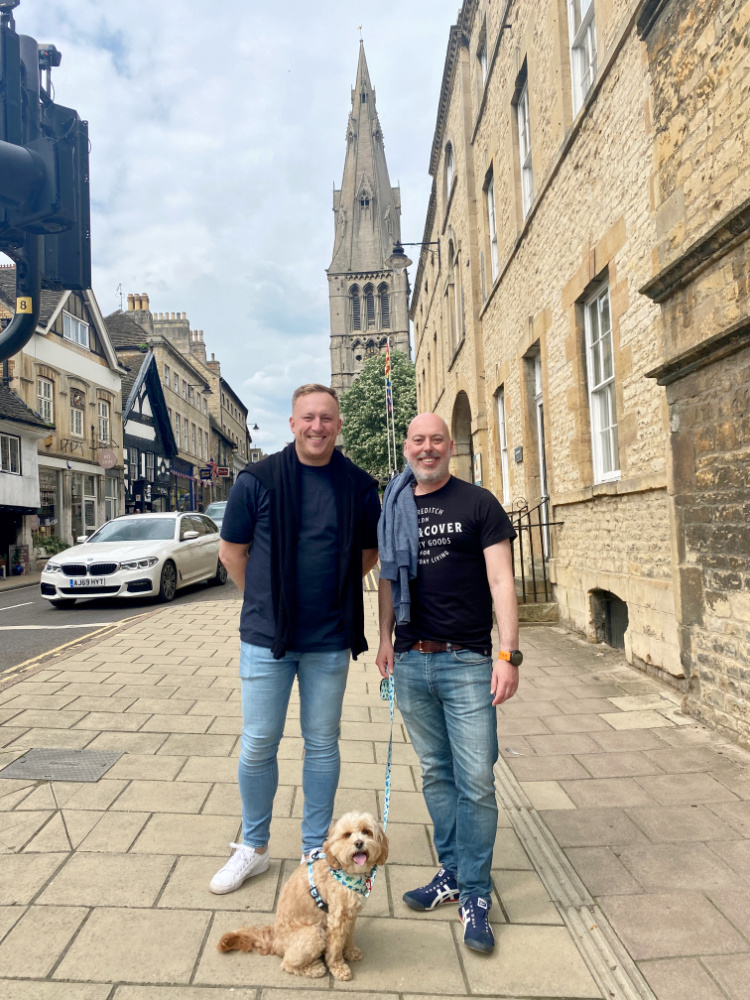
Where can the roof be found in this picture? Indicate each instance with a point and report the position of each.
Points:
(50, 300)
(124, 332)
(134, 364)
(14, 408)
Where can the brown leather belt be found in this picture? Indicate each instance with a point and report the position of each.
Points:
(432, 646)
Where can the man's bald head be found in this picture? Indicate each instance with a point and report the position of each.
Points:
(428, 423)
(428, 448)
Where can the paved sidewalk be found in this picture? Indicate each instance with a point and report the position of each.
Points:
(16, 582)
(104, 887)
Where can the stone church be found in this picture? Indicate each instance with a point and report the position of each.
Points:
(369, 302)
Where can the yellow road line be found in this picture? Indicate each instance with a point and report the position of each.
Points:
(21, 668)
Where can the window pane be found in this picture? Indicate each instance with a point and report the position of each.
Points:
(607, 363)
(4, 454)
(604, 320)
(15, 455)
(370, 303)
(385, 310)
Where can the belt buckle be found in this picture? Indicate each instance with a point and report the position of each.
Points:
(420, 645)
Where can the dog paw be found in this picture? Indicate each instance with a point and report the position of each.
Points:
(342, 972)
(353, 954)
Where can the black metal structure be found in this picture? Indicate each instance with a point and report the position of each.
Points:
(530, 560)
(44, 181)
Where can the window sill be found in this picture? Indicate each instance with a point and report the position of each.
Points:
(618, 487)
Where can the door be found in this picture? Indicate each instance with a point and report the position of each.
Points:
(188, 553)
(539, 407)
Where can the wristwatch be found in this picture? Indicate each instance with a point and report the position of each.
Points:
(513, 656)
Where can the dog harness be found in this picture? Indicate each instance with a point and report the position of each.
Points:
(360, 883)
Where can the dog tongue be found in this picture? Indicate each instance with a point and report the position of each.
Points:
(359, 859)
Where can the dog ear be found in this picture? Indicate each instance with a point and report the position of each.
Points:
(383, 845)
(333, 861)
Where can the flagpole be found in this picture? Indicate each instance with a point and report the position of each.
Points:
(393, 419)
(389, 408)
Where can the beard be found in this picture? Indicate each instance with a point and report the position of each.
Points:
(433, 475)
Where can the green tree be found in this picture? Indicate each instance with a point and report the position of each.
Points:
(363, 410)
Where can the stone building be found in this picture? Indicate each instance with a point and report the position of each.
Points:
(186, 392)
(68, 373)
(584, 328)
(368, 301)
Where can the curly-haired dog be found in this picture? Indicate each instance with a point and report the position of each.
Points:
(305, 932)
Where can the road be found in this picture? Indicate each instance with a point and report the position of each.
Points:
(30, 626)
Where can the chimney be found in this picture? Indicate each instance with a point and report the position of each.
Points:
(197, 347)
(131, 302)
(184, 315)
(213, 364)
(144, 302)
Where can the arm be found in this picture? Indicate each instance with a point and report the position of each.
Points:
(387, 618)
(369, 559)
(234, 556)
(502, 585)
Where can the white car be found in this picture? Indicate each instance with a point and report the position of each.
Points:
(215, 511)
(136, 556)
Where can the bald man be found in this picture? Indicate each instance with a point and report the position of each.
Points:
(446, 683)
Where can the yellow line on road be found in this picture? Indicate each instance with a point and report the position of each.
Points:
(30, 664)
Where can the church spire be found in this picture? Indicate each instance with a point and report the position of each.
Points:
(369, 302)
(366, 207)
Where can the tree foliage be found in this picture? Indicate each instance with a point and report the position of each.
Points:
(364, 414)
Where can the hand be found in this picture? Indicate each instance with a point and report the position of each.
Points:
(504, 683)
(384, 659)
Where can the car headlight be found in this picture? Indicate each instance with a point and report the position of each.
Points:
(140, 563)
(53, 567)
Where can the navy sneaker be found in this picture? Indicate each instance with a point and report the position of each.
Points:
(442, 889)
(475, 916)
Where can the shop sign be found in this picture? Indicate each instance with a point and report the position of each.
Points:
(205, 473)
(222, 471)
(107, 458)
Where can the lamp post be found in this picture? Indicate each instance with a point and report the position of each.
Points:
(398, 261)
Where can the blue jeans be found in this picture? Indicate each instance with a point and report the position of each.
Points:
(446, 704)
(266, 686)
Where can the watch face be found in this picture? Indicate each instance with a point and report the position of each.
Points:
(516, 657)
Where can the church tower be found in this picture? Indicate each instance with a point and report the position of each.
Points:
(369, 302)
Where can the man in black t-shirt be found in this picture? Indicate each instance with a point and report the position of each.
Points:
(446, 684)
(308, 517)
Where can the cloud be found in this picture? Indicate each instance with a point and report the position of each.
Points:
(217, 133)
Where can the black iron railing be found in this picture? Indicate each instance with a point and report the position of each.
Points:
(531, 549)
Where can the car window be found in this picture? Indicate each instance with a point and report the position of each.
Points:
(190, 523)
(211, 528)
(216, 510)
(135, 529)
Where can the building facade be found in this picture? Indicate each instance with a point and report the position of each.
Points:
(186, 392)
(20, 431)
(590, 185)
(69, 375)
(368, 301)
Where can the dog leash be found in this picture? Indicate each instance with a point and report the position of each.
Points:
(363, 884)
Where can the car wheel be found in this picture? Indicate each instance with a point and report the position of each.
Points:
(221, 574)
(168, 582)
(65, 602)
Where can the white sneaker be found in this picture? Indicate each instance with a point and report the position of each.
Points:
(311, 855)
(242, 864)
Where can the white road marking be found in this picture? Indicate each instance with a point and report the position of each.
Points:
(11, 606)
(32, 628)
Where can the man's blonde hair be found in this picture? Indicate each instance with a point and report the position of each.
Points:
(306, 390)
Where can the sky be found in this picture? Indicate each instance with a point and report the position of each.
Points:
(217, 134)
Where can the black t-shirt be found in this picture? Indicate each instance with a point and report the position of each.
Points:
(247, 519)
(450, 596)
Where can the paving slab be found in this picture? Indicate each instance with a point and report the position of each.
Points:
(530, 962)
(604, 792)
(592, 827)
(17, 989)
(674, 824)
(601, 871)
(136, 946)
(680, 979)
(35, 943)
(692, 788)
(108, 880)
(187, 887)
(732, 972)
(660, 867)
(671, 925)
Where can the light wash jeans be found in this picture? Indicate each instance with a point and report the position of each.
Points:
(266, 686)
(446, 703)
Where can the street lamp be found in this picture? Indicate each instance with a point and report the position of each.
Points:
(398, 261)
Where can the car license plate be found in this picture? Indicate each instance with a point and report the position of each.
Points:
(89, 581)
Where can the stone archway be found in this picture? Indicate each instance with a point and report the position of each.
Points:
(463, 453)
